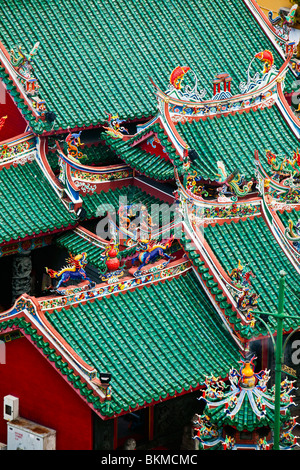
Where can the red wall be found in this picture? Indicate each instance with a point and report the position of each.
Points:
(15, 123)
(44, 397)
(156, 150)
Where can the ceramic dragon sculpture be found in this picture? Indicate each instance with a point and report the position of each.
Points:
(114, 129)
(73, 141)
(292, 233)
(286, 168)
(21, 61)
(236, 182)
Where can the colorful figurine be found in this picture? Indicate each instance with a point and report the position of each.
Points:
(21, 61)
(286, 168)
(177, 75)
(74, 270)
(150, 252)
(292, 233)
(73, 141)
(114, 129)
(267, 58)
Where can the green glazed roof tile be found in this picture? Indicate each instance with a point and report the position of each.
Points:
(151, 342)
(285, 216)
(113, 197)
(143, 161)
(96, 155)
(234, 139)
(251, 242)
(96, 56)
(29, 205)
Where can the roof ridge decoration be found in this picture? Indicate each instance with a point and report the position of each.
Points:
(148, 251)
(273, 27)
(79, 178)
(278, 28)
(228, 190)
(73, 141)
(136, 226)
(242, 291)
(258, 80)
(175, 268)
(279, 193)
(248, 397)
(225, 188)
(18, 150)
(75, 269)
(286, 171)
(64, 196)
(111, 270)
(189, 94)
(19, 65)
(281, 24)
(114, 129)
(259, 91)
(276, 197)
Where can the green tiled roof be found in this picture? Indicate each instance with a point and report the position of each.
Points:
(144, 162)
(97, 56)
(251, 242)
(75, 244)
(233, 140)
(134, 195)
(98, 155)
(29, 205)
(285, 216)
(155, 341)
(212, 286)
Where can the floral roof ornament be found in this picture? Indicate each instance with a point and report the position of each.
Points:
(245, 405)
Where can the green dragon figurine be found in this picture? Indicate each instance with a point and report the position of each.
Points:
(21, 61)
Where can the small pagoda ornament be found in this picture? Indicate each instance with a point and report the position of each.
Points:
(242, 415)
